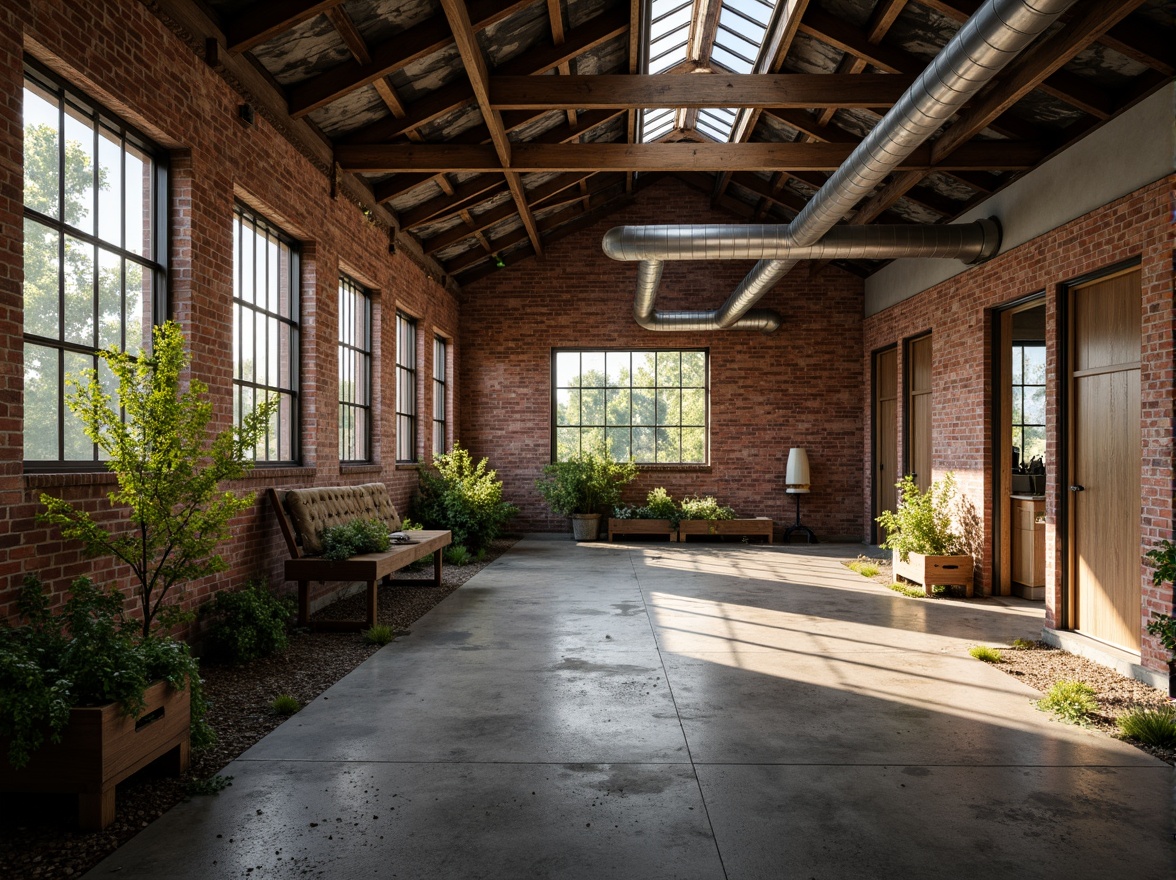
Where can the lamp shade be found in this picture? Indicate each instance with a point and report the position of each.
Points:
(796, 477)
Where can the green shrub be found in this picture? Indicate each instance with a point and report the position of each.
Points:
(865, 567)
(1153, 726)
(704, 507)
(923, 521)
(587, 483)
(463, 498)
(1071, 701)
(661, 506)
(380, 634)
(285, 704)
(86, 654)
(1024, 644)
(985, 653)
(247, 623)
(456, 554)
(351, 539)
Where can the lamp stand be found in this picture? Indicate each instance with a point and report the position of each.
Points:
(812, 539)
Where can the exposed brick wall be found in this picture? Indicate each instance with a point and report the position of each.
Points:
(959, 313)
(798, 386)
(121, 55)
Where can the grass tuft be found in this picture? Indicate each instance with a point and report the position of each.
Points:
(1070, 701)
(458, 554)
(1153, 726)
(210, 785)
(985, 653)
(285, 704)
(916, 592)
(380, 634)
(1024, 644)
(867, 568)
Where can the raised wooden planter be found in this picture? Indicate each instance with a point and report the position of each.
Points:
(944, 571)
(640, 527)
(760, 527)
(101, 747)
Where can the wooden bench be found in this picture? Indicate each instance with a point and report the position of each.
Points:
(320, 508)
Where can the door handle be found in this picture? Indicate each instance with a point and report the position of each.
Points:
(1077, 488)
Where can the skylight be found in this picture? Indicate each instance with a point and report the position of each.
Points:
(676, 35)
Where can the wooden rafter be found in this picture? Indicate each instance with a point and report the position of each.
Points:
(264, 21)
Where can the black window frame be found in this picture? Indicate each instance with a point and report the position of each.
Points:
(406, 389)
(440, 394)
(71, 101)
(355, 364)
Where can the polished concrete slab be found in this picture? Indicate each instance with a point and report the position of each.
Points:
(693, 711)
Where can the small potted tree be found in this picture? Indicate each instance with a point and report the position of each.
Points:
(1163, 626)
(922, 535)
(583, 488)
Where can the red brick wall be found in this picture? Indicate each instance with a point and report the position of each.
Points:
(959, 314)
(121, 55)
(798, 386)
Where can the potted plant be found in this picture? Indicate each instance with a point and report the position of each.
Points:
(926, 547)
(1163, 626)
(658, 516)
(583, 487)
(86, 699)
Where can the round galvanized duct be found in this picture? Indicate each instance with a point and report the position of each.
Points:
(987, 42)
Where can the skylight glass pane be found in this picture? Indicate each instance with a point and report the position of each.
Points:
(675, 20)
(730, 62)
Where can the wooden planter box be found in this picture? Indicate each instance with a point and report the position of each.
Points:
(640, 527)
(101, 747)
(944, 571)
(760, 527)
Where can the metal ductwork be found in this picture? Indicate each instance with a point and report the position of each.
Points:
(987, 42)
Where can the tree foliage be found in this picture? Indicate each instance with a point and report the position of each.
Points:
(169, 472)
(465, 498)
(924, 521)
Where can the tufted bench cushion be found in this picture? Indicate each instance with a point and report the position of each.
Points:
(313, 510)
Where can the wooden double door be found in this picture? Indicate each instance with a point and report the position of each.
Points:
(1103, 479)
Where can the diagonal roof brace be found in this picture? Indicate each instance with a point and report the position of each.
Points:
(988, 41)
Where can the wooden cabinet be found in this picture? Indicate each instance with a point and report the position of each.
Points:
(1029, 546)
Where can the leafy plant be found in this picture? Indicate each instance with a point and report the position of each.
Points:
(380, 634)
(1070, 701)
(1151, 725)
(704, 507)
(1163, 626)
(247, 623)
(210, 785)
(285, 704)
(916, 592)
(587, 483)
(658, 505)
(1024, 644)
(169, 472)
(355, 537)
(923, 522)
(867, 568)
(464, 498)
(88, 653)
(456, 554)
(985, 653)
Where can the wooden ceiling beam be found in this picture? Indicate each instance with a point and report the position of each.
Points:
(456, 94)
(1028, 71)
(482, 187)
(641, 91)
(527, 157)
(346, 29)
(478, 75)
(1141, 40)
(393, 54)
(264, 21)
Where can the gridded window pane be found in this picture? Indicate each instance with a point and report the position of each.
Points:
(406, 405)
(92, 256)
(355, 368)
(646, 401)
(265, 337)
(440, 394)
(1028, 400)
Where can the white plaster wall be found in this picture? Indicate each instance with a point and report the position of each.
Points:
(1130, 151)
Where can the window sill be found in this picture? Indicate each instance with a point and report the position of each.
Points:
(360, 468)
(61, 479)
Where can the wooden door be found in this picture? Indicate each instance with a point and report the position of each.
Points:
(1104, 460)
(885, 434)
(918, 419)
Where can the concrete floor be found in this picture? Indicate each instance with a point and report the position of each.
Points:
(686, 711)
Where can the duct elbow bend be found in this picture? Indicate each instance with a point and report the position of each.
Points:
(991, 233)
(616, 243)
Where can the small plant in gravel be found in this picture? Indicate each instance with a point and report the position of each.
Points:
(1151, 725)
(380, 634)
(1070, 701)
(985, 653)
(209, 785)
(457, 554)
(351, 539)
(247, 623)
(867, 568)
(1024, 644)
(285, 704)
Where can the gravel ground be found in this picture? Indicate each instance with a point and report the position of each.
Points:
(37, 837)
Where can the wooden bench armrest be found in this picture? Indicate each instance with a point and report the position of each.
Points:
(284, 523)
